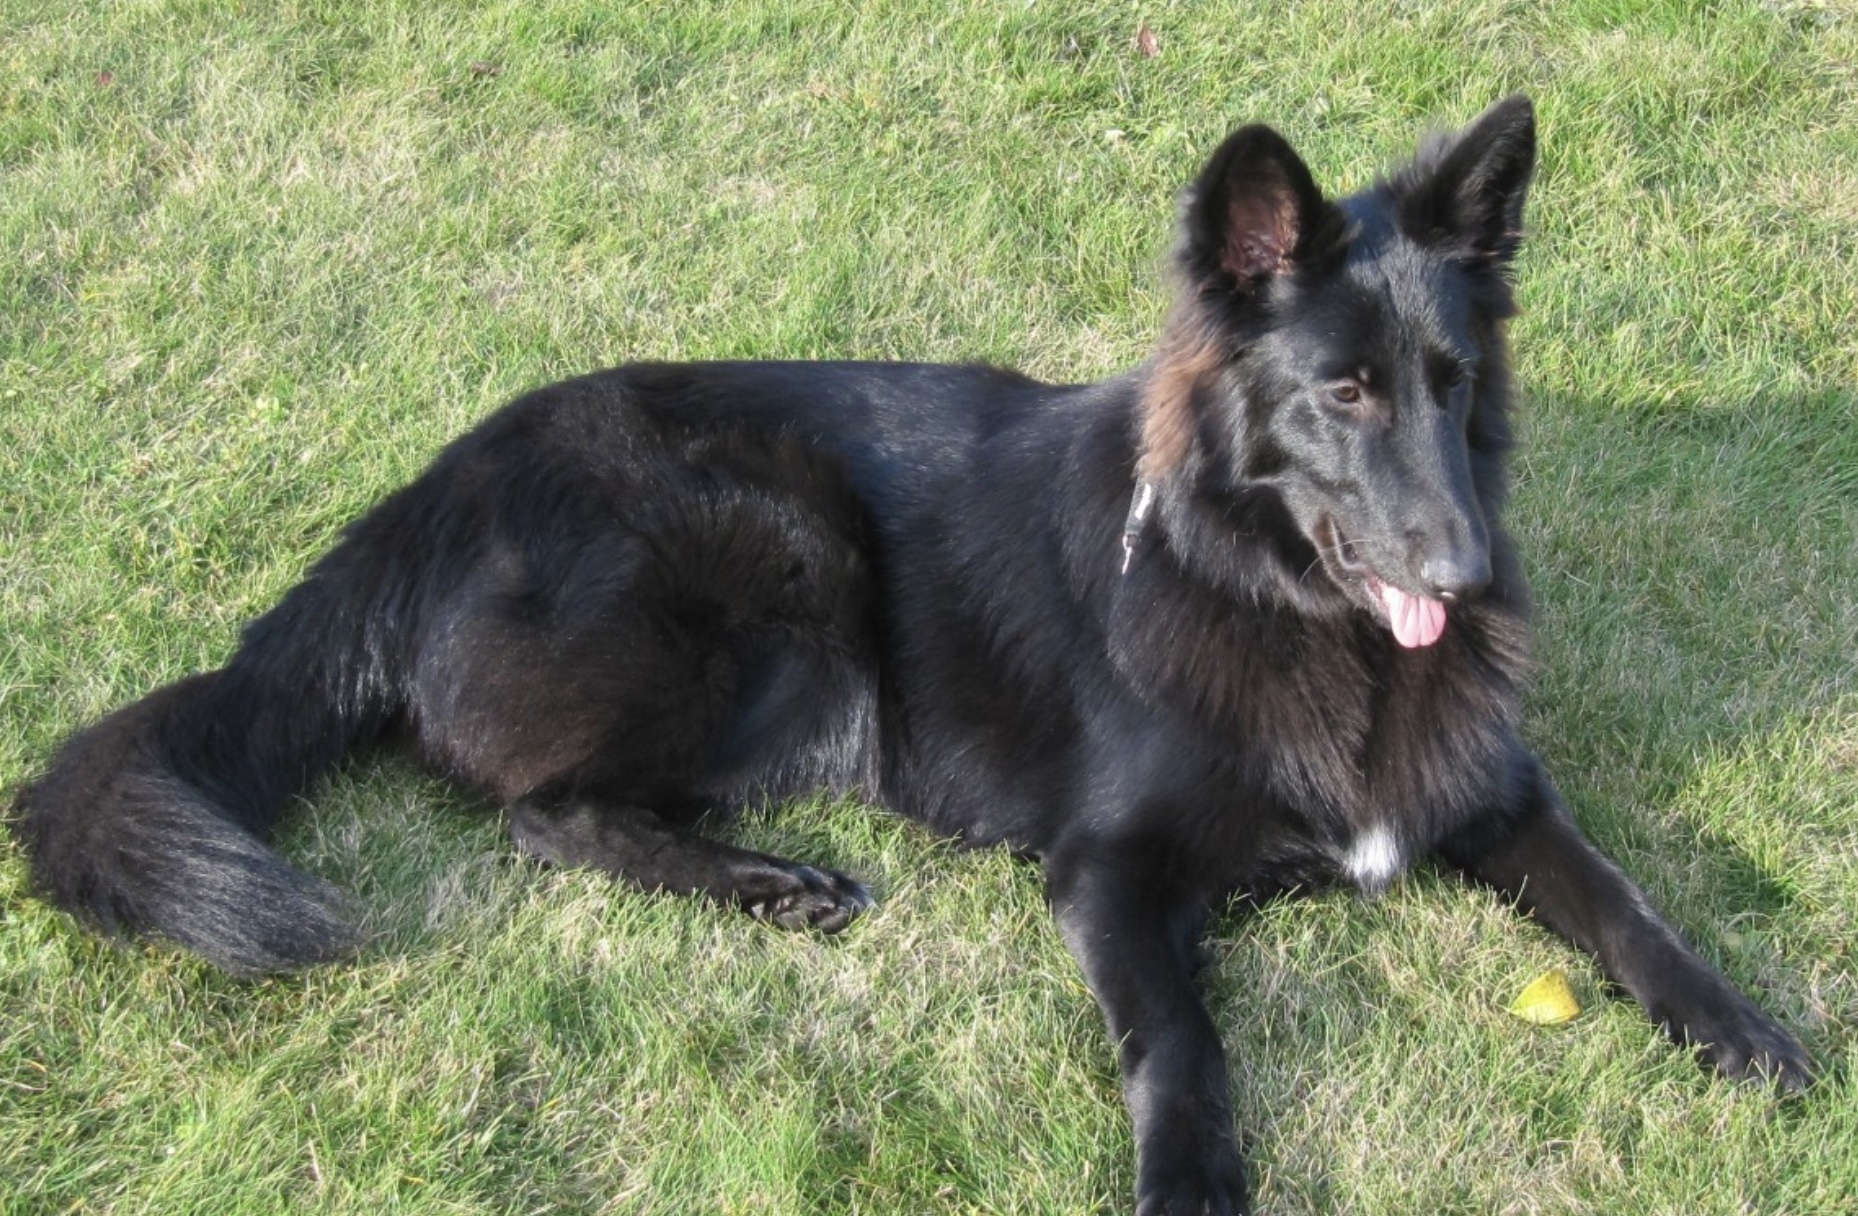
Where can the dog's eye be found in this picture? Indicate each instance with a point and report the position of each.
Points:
(1451, 374)
(1346, 392)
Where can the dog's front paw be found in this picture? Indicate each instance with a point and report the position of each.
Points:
(1209, 1184)
(1751, 1046)
(1728, 1032)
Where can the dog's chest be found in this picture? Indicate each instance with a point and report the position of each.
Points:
(1416, 745)
(1346, 759)
(1373, 858)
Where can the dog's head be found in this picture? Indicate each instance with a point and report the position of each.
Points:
(1348, 356)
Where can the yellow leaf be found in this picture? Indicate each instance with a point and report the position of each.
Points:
(1547, 1001)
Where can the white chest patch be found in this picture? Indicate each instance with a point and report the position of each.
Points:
(1374, 859)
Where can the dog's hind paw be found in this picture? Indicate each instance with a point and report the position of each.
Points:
(801, 896)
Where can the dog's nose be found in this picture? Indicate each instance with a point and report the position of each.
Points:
(1451, 577)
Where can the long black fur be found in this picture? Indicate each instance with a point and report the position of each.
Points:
(1242, 619)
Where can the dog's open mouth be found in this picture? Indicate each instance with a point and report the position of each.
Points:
(1415, 619)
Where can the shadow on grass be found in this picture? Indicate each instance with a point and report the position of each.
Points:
(1696, 574)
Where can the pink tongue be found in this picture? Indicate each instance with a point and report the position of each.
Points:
(1417, 621)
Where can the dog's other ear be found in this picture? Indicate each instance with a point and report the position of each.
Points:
(1465, 193)
(1253, 213)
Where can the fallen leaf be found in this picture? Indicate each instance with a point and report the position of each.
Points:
(483, 68)
(1146, 42)
(1547, 1000)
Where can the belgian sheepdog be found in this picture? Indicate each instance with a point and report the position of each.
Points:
(1240, 620)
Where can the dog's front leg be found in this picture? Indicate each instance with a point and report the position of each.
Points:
(1540, 858)
(1136, 937)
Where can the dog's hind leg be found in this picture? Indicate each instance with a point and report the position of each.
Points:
(613, 766)
(636, 846)
(776, 723)
(616, 666)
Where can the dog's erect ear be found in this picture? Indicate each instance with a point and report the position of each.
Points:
(1465, 193)
(1254, 213)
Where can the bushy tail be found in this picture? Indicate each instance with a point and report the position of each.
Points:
(152, 821)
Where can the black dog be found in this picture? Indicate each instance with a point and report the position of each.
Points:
(1239, 620)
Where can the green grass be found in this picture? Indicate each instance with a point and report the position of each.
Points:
(257, 262)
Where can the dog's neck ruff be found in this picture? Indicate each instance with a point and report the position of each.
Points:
(1141, 506)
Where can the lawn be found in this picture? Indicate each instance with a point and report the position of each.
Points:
(258, 262)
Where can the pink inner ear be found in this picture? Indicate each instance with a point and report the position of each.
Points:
(1261, 232)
